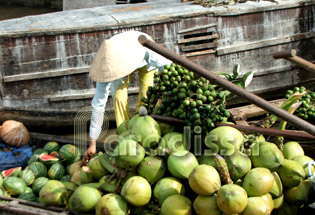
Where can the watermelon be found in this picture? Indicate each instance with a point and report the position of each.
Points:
(28, 190)
(1, 181)
(28, 176)
(66, 178)
(47, 159)
(39, 169)
(39, 183)
(16, 171)
(56, 171)
(28, 196)
(35, 157)
(39, 151)
(69, 153)
(14, 185)
(51, 146)
(55, 154)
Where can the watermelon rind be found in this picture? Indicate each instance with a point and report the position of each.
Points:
(56, 171)
(47, 159)
(28, 176)
(1, 181)
(39, 169)
(69, 153)
(35, 157)
(14, 185)
(16, 171)
(39, 151)
(51, 146)
(39, 183)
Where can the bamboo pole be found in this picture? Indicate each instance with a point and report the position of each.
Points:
(214, 78)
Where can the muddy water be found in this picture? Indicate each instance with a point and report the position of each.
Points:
(11, 12)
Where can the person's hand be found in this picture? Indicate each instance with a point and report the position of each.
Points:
(89, 153)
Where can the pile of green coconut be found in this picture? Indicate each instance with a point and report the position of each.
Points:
(152, 167)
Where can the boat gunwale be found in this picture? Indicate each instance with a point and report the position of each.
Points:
(233, 10)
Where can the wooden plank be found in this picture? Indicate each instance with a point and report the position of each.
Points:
(263, 43)
(191, 54)
(197, 28)
(88, 95)
(199, 47)
(252, 110)
(213, 36)
(47, 74)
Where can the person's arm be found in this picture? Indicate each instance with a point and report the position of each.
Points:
(156, 60)
(98, 103)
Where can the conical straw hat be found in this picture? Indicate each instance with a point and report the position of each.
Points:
(118, 57)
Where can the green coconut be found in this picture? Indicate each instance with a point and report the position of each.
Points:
(204, 180)
(176, 205)
(227, 139)
(54, 193)
(152, 168)
(277, 188)
(231, 199)
(258, 181)
(147, 131)
(208, 159)
(166, 187)
(111, 204)
(258, 205)
(292, 149)
(304, 160)
(267, 155)
(291, 173)
(204, 205)
(122, 127)
(238, 164)
(136, 191)
(181, 164)
(171, 143)
(297, 195)
(97, 169)
(84, 199)
(278, 202)
(129, 154)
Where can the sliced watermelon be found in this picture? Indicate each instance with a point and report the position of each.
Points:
(55, 154)
(47, 159)
(16, 171)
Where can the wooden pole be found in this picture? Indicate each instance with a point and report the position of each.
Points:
(214, 78)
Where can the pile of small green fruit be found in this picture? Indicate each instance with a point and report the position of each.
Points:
(306, 110)
(180, 93)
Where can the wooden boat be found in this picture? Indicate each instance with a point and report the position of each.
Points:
(45, 59)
